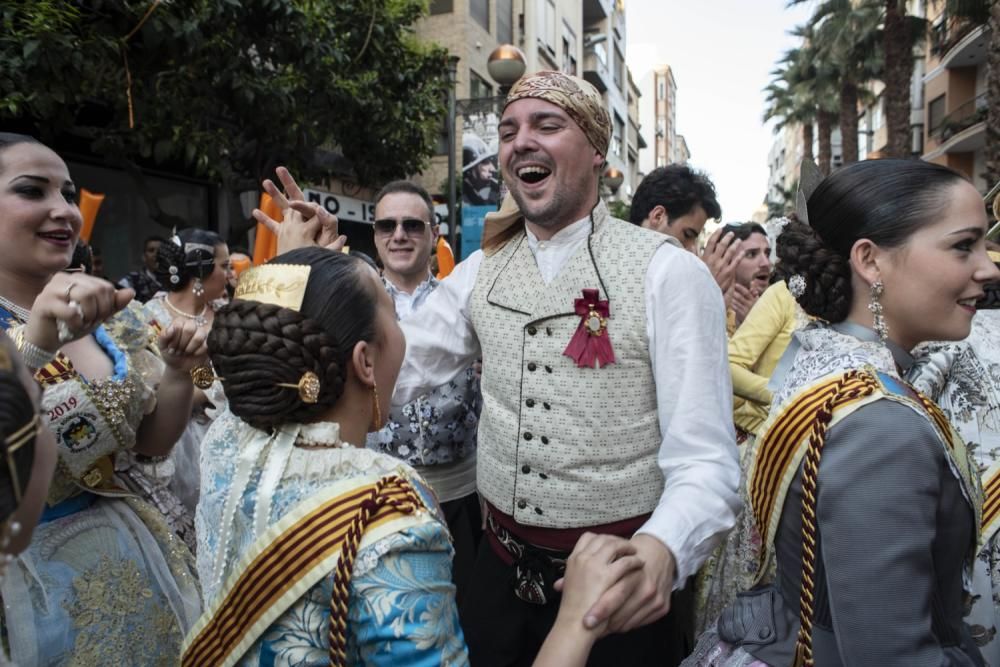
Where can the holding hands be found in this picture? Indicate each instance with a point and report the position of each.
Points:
(304, 224)
(598, 563)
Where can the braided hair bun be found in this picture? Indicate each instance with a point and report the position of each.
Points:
(177, 264)
(827, 275)
(255, 346)
(16, 411)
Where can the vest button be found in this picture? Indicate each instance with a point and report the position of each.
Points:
(521, 504)
(527, 435)
(525, 469)
(532, 331)
(546, 406)
(764, 632)
(530, 402)
(532, 366)
(538, 510)
(545, 440)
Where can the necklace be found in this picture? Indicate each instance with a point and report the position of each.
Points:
(17, 311)
(199, 319)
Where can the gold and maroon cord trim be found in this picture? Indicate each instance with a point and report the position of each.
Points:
(336, 525)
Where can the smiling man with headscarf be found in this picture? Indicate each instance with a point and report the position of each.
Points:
(606, 391)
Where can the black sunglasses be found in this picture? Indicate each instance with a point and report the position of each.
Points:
(411, 226)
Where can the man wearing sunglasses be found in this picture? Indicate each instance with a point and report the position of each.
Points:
(607, 398)
(436, 431)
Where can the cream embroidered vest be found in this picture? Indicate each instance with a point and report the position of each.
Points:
(562, 446)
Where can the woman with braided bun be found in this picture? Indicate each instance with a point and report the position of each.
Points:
(312, 549)
(103, 568)
(27, 461)
(194, 268)
(864, 494)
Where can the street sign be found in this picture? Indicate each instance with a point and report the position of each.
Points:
(344, 207)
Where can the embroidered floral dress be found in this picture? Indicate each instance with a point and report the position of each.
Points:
(402, 606)
(180, 472)
(104, 581)
(964, 379)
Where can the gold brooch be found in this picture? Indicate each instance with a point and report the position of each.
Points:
(308, 387)
(203, 377)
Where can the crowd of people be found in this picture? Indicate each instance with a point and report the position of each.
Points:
(595, 442)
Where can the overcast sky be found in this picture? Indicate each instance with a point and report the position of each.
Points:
(721, 52)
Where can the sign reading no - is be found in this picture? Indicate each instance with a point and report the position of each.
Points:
(345, 208)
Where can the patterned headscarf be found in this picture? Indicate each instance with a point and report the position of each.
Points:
(576, 97)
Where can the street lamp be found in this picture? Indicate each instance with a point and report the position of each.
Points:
(452, 82)
(613, 178)
(506, 65)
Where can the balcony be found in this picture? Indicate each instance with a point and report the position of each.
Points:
(960, 43)
(597, 9)
(963, 130)
(595, 71)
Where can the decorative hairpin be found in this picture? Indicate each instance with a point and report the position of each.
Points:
(14, 442)
(308, 386)
(797, 285)
(203, 377)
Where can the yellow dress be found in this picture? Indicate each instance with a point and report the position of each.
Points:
(754, 351)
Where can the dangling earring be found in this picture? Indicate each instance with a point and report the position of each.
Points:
(875, 306)
(198, 288)
(377, 412)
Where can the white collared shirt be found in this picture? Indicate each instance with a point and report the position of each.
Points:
(686, 327)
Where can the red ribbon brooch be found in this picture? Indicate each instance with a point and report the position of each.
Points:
(591, 343)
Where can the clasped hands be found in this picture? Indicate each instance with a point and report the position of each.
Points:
(303, 223)
(615, 585)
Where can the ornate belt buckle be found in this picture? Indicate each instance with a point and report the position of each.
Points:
(530, 586)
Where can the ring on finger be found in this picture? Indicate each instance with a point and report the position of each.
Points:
(69, 289)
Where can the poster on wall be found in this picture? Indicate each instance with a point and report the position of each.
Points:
(481, 187)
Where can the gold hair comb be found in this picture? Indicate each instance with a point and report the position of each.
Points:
(278, 284)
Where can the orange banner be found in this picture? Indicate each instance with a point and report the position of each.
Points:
(90, 204)
(265, 245)
(446, 258)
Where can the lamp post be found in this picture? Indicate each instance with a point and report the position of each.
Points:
(506, 65)
(613, 178)
(452, 82)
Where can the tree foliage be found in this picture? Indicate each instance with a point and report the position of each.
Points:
(228, 89)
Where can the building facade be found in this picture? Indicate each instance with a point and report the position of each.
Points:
(954, 93)
(659, 115)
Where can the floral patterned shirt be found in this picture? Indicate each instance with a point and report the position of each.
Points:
(436, 428)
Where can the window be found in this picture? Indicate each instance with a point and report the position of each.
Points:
(479, 87)
(661, 88)
(619, 68)
(568, 51)
(618, 140)
(878, 115)
(480, 11)
(442, 7)
(547, 25)
(935, 113)
(505, 21)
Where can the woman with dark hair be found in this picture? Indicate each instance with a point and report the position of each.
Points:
(964, 379)
(103, 569)
(312, 549)
(27, 461)
(194, 269)
(862, 491)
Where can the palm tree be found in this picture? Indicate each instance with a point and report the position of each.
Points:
(899, 35)
(846, 36)
(785, 101)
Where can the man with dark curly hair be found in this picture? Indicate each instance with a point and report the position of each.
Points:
(677, 201)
